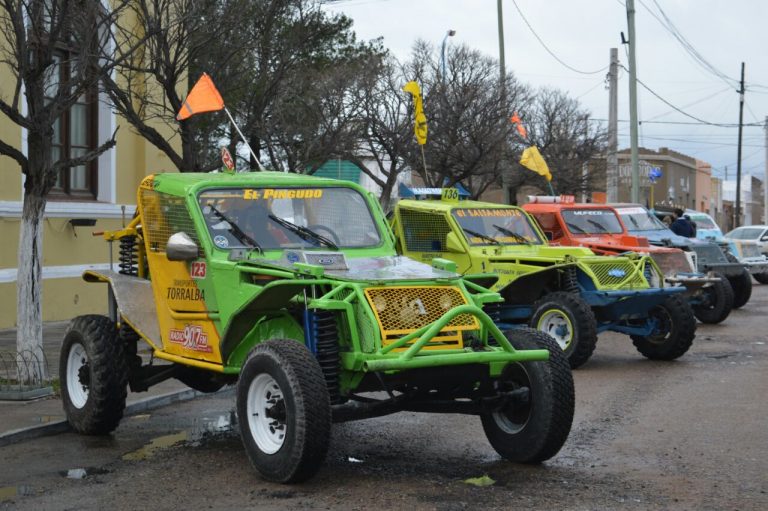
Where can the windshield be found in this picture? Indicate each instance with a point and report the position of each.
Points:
(704, 222)
(279, 218)
(592, 221)
(745, 233)
(486, 226)
(640, 219)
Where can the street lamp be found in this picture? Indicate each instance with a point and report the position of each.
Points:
(448, 34)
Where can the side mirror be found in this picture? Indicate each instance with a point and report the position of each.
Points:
(180, 247)
(764, 238)
(452, 243)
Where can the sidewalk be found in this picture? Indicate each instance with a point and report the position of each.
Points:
(22, 420)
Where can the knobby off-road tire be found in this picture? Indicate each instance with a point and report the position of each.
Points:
(570, 322)
(677, 328)
(284, 411)
(741, 284)
(761, 277)
(535, 431)
(719, 302)
(742, 289)
(94, 375)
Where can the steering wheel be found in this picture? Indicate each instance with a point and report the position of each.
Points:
(325, 231)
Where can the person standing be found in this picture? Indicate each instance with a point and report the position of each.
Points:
(681, 225)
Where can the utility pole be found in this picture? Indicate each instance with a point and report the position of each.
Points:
(737, 220)
(503, 89)
(633, 102)
(612, 169)
(765, 178)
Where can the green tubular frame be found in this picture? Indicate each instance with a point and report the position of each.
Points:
(383, 358)
(414, 357)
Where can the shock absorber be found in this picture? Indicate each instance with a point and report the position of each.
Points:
(494, 311)
(570, 281)
(128, 256)
(327, 343)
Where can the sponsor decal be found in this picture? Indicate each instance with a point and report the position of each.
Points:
(197, 270)
(221, 241)
(325, 261)
(271, 193)
(191, 337)
(185, 293)
(617, 273)
(292, 257)
(594, 212)
(496, 212)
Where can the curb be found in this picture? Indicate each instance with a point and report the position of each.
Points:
(62, 426)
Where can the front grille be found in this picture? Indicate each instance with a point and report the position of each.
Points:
(709, 254)
(617, 274)
(401, 310)
(748, 249)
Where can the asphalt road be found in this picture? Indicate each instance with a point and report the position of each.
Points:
(689, 434)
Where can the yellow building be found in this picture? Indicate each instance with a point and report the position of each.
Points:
(104, 192)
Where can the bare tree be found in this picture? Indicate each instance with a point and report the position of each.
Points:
(567, 139)
(470, 135)
(387, 135)
(174, 36)
(46, 82)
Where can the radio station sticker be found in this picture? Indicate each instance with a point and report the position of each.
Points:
(192, 337)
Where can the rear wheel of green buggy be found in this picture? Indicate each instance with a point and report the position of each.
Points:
(533, 430)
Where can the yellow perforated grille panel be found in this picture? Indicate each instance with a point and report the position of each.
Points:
(162, 216)
(401, 310)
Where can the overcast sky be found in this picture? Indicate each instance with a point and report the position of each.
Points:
(580, 33)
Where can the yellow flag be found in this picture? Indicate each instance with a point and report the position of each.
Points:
(532, 159)
(420, 125)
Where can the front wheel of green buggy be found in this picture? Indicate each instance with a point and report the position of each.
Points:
(675, 328)
(533, 430)
(570, 322)
(284, 411)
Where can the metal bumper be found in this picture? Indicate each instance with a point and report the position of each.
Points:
(652, 296)
(415, 357)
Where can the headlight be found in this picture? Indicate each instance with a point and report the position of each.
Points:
(446, 302)
(380, 303)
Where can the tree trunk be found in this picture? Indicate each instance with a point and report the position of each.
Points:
(29, 312)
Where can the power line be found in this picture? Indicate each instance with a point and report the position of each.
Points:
(701, 121)
(514, 2)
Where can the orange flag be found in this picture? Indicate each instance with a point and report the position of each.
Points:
(202, 98)
(515, 119)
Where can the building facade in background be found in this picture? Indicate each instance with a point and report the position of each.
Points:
(102, 193)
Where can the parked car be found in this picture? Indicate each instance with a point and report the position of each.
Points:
(756, 233)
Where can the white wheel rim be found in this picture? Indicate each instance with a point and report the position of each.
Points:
(268, 432)
(514, 423)
(77, 359)
(558, 326)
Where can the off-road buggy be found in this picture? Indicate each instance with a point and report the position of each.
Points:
(709, 255)
(599, 227)
(290, 287)
(568, 292)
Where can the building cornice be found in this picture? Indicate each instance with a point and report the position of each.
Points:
(13, 209)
